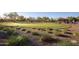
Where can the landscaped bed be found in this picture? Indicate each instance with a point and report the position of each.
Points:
(37, 34)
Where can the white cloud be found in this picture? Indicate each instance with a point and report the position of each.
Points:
(1, 13)
(38, 5)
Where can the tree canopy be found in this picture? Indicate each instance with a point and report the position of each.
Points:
(14, 16)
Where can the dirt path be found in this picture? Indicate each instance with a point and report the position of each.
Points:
(74, 27)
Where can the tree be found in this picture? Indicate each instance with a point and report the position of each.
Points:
(60, 20)
(39, 19)
(12, 16)
(30, 19)
(1, 19)
(71, 19)
(46, 19)
(6, 15)
(52, 20)
(77, 18)
(21, 18)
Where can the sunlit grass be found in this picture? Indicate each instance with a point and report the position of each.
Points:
(35, 25)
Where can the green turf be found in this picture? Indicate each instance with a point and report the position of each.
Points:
(35, 25)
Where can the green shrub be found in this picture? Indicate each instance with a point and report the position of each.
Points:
(50, 32)
(58, 30)
(18, 28)
(17, 40)
(3, 35)
(1, 28)
(10, 31)
(33, 28)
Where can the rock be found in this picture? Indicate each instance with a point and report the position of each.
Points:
(73, 41)
(74, 34)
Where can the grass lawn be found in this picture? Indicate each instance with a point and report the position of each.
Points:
(35, 25)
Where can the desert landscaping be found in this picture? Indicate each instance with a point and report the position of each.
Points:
(43, 31)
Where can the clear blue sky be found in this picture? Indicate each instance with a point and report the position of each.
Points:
(49, 14)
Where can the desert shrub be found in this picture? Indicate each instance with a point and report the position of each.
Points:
(68, 32)
(39, 28)
(58, 30)
(28, 31)
(76, 34)
(1, 28)
(17, 40)
(18, 28)
(49, 39)
(66, 43)
(50, 29)
(23, 29)
(64, 35)
(8, 28)
(50, 32)
(9, 31)
(33, 28)
(43, 29)
(35, 33)
(3, 35)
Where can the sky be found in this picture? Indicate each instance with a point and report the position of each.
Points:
(49, 14)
